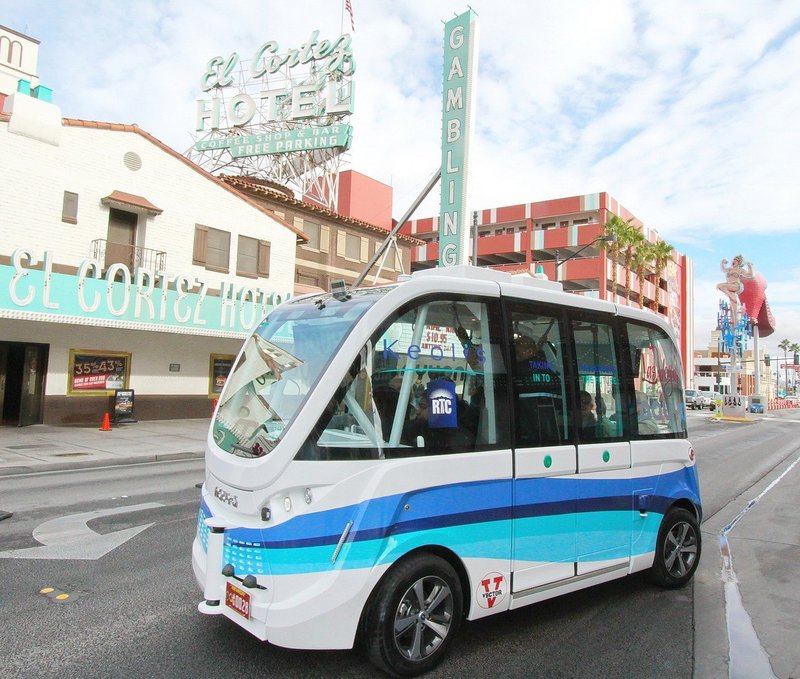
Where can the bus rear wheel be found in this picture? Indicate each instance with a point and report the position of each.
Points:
(414, 616)
(677, 549)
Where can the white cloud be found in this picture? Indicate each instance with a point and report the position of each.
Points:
(684, 111)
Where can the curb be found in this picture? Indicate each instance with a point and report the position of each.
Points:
(737, 420)
(89, 464)
(710, 634)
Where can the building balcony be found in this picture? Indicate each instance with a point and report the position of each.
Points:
(132, 256)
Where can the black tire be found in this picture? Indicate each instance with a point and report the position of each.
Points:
(414, 616)
(677, 549)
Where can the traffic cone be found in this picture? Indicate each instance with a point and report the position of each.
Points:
(106, 426)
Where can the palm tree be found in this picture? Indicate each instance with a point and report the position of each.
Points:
(795, 349)
(662, 254)
(641, 258)
(614, 227)
(785, 344)
(632, 238)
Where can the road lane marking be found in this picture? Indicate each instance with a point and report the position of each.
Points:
(68, 537)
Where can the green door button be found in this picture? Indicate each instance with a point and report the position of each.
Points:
(548, 461)
(606, 456)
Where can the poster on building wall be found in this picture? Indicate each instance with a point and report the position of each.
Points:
(123, 406)
(93, 372)
(219, 369)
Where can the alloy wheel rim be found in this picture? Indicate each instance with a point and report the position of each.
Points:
(680, 549)
(423, 618)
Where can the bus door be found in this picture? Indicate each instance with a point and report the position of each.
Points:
(657, 417)
(605, 500)
(545, 490)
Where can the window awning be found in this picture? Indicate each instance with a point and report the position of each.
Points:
(304, 289)
(126, 201)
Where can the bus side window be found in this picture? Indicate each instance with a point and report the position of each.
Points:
(656, 368)
(436, 384)
(538, 377)
(598, 381)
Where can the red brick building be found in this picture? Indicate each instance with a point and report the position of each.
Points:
(560, 238)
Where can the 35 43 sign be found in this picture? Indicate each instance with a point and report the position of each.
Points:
(98, 372)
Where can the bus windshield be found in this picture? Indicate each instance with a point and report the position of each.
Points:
(278, 367)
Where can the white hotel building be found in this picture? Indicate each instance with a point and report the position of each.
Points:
(123, 266)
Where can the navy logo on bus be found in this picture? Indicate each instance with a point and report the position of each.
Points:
(442, 413)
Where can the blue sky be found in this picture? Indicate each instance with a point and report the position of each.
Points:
(685, 111)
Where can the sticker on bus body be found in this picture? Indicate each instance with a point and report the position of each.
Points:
(491, 590)
(442, 411)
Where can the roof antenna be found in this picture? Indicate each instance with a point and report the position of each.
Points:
(431, 183)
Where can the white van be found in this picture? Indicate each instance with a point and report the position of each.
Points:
(693, 398)
(388, 462)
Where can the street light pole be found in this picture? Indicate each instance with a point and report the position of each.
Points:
(606, 238)
(756, 395)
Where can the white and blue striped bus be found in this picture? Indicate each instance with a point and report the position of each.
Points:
(387, 462)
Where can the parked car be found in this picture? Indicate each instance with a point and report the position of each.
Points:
(757, 408)
(693, 399)
(713, 397)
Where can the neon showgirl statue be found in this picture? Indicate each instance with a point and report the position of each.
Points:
(733, 285)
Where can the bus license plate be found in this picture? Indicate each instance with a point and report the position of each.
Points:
(238, 600)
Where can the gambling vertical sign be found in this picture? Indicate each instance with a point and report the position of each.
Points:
(458, 107)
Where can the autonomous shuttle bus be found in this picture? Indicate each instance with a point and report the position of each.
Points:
(387, 462)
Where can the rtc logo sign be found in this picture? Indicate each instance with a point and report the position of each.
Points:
(491, 590)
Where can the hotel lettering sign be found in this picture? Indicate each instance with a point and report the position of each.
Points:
(280, 102)
(458, 106)
(143, 299)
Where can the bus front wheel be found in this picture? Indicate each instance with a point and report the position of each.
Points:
(414, 616)
(677, 549)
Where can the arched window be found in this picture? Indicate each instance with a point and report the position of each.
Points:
(11, 51)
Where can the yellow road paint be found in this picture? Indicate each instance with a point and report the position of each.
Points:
(61, 597)
(47, 590)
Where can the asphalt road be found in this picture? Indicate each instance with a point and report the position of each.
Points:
(132, 612)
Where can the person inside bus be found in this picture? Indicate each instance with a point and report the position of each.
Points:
(606, 426)
(644, 415)
(588, 419)
(417, 391)
(418, 431)
(533, 370)
(538, 389)
(471, 351)
(418, 425)
(386, 393)
(474, 410)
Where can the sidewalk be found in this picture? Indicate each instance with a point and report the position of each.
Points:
(746, 597)
(42, 447)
